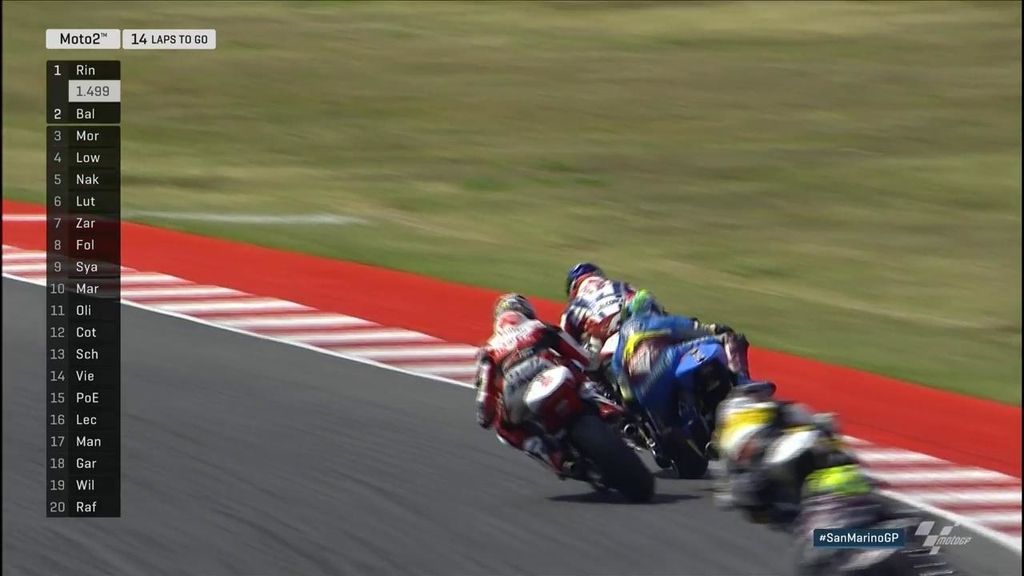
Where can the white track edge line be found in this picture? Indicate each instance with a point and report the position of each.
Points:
(993, 535)
(271, 338)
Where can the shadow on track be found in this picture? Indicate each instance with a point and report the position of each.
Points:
(611, 497)
(670, 474)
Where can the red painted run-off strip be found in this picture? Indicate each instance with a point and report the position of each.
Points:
(886, 411)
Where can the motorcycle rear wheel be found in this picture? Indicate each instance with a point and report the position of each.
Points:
(619, 465)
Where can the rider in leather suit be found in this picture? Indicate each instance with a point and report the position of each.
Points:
(591, 315)
(651, 344)
(750, 421)
(519, 349)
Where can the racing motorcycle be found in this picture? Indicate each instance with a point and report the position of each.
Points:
(836, 493)
(792, 455)
(677, 418)
(817, 483)
(572, 413)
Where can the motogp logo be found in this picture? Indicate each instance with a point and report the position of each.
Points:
(943, 538)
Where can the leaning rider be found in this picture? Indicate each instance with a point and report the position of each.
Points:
(594, 304)
(520, 348)
(750, 421)
(651, 343)
(839, 496)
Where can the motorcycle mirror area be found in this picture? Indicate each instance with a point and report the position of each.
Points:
(762, 388)
(826, 422)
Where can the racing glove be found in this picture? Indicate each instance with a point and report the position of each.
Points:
(718, 329)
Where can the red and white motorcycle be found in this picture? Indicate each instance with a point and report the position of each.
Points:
(581, 420)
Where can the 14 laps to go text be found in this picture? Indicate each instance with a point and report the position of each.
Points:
(169, 39)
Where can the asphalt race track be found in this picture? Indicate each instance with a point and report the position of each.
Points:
(243, 456)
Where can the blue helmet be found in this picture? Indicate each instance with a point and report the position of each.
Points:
(578, 271)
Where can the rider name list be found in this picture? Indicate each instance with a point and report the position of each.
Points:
(83, 293)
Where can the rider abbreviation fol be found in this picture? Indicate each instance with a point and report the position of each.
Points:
(83, 288)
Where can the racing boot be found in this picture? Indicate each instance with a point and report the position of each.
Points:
(736, 348)
(549, 455)
(607, 409)
(535, 444)
(605, 388)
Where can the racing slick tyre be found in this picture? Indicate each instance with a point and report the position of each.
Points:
(687, 454)
(619, 465)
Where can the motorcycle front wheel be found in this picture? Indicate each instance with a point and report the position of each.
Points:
(688, 455)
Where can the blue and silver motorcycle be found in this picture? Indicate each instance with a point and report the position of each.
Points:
(675, 417)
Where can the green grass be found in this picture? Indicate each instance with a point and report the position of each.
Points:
(841, 181)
